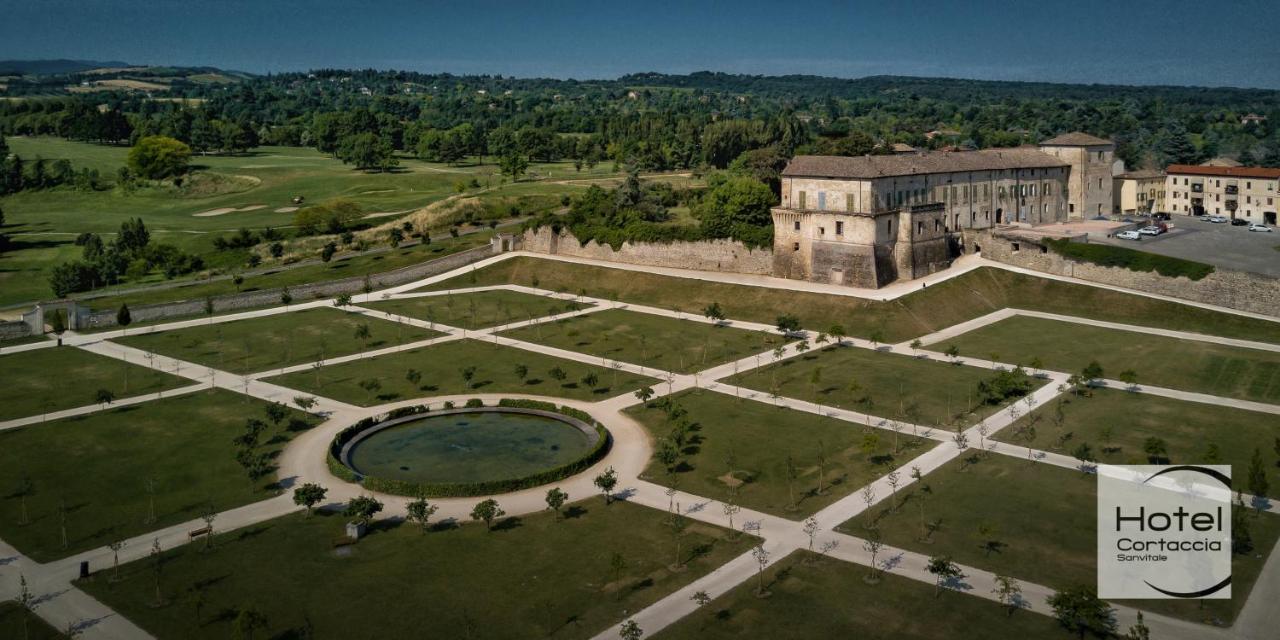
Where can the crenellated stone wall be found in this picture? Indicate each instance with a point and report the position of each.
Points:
(1241, 290)
(709, 255)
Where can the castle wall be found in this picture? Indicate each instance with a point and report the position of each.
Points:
(710, 255)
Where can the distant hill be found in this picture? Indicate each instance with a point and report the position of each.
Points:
(53, 67)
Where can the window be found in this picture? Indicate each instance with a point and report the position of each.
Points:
(797, 223)
(920, 227)
(1015, 247)
(822, 231)
(802, 199)
(795, 246)
(839, 228)
(848, 202)
(888, 227)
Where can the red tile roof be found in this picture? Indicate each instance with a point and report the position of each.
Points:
(1223, 172)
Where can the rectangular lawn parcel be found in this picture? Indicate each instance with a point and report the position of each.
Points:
(98, 466)
(1221, 370)
(757, 439)
(1036, 522)
(1116, 425)
(282, 339)
(531, 577)
(57, 378)
(645, 339)
(476, 310)
(495, 369)
(889, 385)
(813, 597)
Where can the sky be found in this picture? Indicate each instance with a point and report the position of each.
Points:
(1232, 43)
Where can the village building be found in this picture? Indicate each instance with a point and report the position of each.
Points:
(1234, 192)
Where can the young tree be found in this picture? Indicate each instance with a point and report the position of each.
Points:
(793, 473)
(123, 317)
(630, 631)
(953, 352)
(1130, 378)
(286, 297)
(1092, 372)
(761, 556)
(362, 509)
(873, 545)
(277, 412)
(915, 347)
(208, 516)
(1079, 611)
(556, 499)
(788, 324)
(643, 394)
(104, 397)
(714, 313)
(810, 530)
(248, 622)
(1139, 631)
(521, 372)
(1257, 479)
(488, 511)
(420, 511)
(309, 495)
(943, 570)
(304, 402)
(606, 481)
(1009, 592)
(115, 546)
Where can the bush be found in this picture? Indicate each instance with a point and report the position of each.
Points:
(159, 157)
(1131, 259)
(474, 403)
(1005, 385)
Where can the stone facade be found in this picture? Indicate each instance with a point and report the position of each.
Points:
(1250, 193)
(1233, 289)
(1139, 192)
(14, 329)
(1089, 190)
(710, 255)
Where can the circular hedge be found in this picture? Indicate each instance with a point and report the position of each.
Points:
(464, 489)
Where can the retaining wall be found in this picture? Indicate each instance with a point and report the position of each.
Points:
(708, 255)
(1241, 290)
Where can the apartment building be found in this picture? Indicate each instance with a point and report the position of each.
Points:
(1250, 193)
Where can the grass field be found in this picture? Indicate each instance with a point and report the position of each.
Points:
(476, 310)
(57, 378)
(1056, 548)
(44, 223)
(653, 341)
(103, 461)
(1115, 424)
(887, 385)
(442, 365)
(12, 618)
(756, 439)
(269, 342)
(1216, 369)
(826, 598)
(939, 306)
(553, 579)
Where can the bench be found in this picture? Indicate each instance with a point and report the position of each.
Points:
(192, 535)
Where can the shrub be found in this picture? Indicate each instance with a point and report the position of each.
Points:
(1131, 259)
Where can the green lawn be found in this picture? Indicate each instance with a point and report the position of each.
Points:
(826, 598)
(98, 466)
(1192, 365)
(442, 365)
(939, 306)
(283, 339)
(1115, 424)
(1056, 548)
(56, 378)
(476, 310)
(887, 384)
(532, 577)
(12, 619)
(758, 438)
(664, 343)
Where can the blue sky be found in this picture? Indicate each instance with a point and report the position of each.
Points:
(1229, 43)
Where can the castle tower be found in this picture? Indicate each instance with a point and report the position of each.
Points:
(1089, 189)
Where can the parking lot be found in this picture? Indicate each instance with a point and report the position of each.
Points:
(1221, 245)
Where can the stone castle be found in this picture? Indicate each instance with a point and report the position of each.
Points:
(870, 220)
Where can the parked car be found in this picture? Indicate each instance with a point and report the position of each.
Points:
(1259, 227)
(1239, 222)
(1152, 230)
(1218, 219)
(1129, 235)
(1162, 216)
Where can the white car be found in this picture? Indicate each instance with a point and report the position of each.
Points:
(1218, 219)
(1259, 227)
(1151, 231)
(1129, 235)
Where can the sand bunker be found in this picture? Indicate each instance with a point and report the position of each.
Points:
(286, 209)
(226, 210)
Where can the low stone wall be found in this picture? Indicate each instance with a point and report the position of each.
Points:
(1241, 290)
(14, 329)
(710, 255)
(300, 293)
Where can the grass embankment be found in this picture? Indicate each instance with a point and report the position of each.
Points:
(1109, 256)
(531, 577)
(442, 367)
(1221, 370)
(738, 449)
(279, 340)
(98, 466)
(921, 312)
(57, 378)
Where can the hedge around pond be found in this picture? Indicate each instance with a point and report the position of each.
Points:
(466, 489)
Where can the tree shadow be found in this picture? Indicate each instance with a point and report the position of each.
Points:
(508, 524)
(574, 512)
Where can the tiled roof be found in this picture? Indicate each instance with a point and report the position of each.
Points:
(864, 167)
(1142, 174)
(1223, 172)
(1076, 139)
